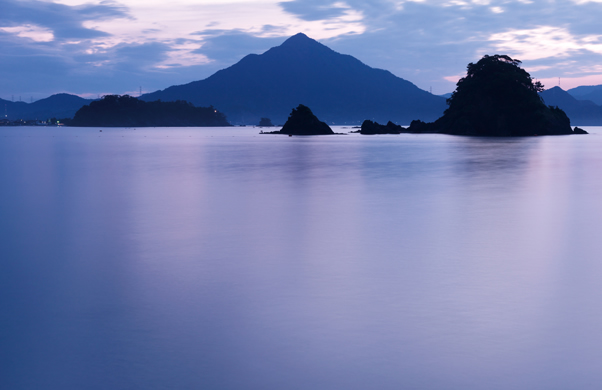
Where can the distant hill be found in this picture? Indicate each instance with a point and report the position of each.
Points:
(581, 112)
(12, 110)
(339, 88)
(61, 105)
(127, 111)
(588, 92)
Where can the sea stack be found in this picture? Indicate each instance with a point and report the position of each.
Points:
(302, 121)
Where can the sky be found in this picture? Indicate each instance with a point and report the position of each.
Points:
(92, 48)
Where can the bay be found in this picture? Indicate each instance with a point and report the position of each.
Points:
(218, 258)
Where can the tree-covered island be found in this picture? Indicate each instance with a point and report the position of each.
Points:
(495, 98)
(265, 122)
(127, 111)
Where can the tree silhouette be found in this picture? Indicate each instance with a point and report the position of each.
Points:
(125, 111)
(497, 98)
(265, 122)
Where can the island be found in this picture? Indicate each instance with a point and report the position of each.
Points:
(496, 98)
(369, 127)
(127, 111)
(302, 121)
(265, 122)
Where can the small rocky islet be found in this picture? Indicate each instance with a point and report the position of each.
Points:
(302, 121)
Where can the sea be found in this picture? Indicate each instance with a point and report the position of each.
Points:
(221, 258)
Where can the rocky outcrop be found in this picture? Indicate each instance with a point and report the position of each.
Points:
(302, 121)
(369, 127)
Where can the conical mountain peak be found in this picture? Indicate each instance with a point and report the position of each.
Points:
(339, 88)
(301, 41)
(298, 39)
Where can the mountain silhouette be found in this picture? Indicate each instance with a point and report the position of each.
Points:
(588, 92)
(339, 88)
(62, 105)
(581, 112)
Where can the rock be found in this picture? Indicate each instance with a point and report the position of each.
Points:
(369, 127)
(302, 121)
(579, 130)
(417, 126)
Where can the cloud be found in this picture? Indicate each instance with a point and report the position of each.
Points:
(429, 41)
(30, 31)
(316, 9)
(92, 45)
(145, 55)
(229, 46)
(454, 78)
(545, 42)
(65, 22)
(155, 42)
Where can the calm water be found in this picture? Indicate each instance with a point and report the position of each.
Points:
(223, 259)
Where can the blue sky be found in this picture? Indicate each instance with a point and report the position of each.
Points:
(92, 48)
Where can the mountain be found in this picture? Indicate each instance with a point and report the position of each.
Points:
(61, 105)
(12, 110)
(588, 92)
(581, 112)
(339, 88)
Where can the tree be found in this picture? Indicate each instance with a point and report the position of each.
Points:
(497, 97)
(265, 122)
(125, 110)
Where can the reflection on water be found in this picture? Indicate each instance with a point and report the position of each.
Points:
(221, 259)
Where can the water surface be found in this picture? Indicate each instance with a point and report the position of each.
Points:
(218, 258)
